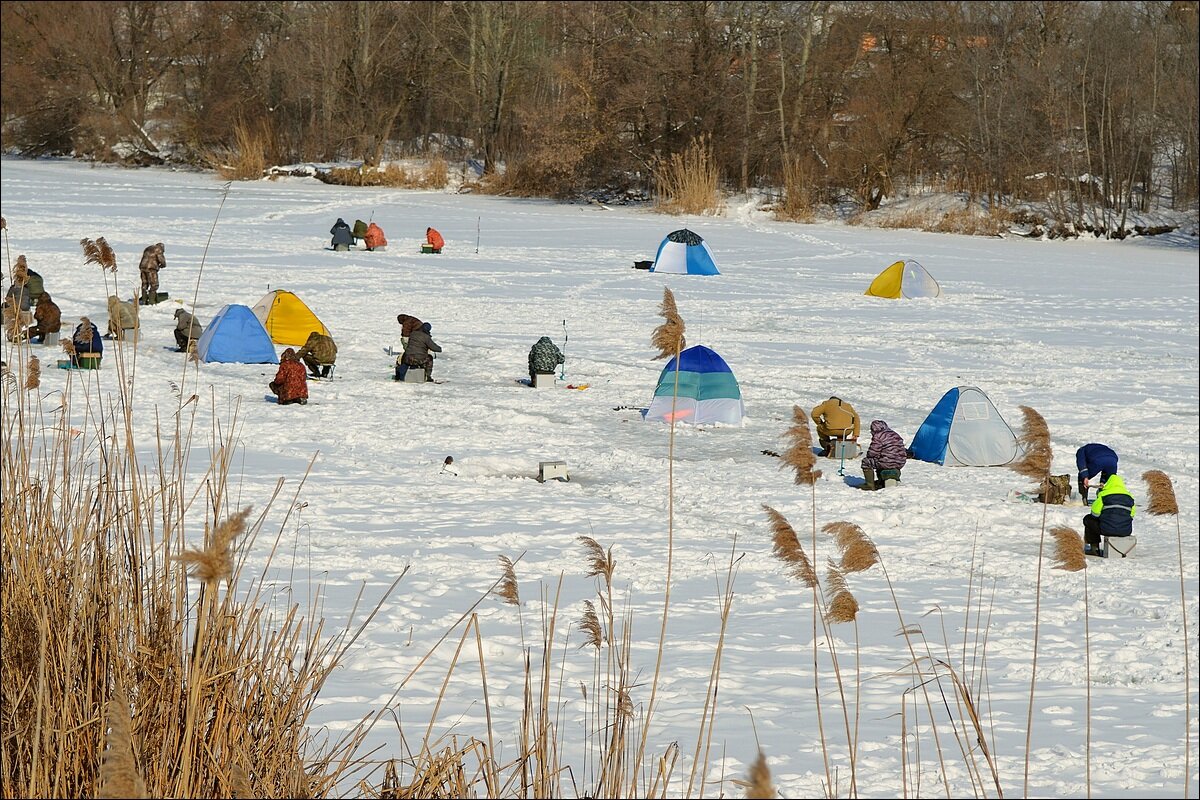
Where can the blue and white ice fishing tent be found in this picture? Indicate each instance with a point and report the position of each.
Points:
(237, 336)
(965, 430)
(707, 390)
(684, 253)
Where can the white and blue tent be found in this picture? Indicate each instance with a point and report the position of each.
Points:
(237, 336)
(684, 253)
(707, 390)
(965, 430)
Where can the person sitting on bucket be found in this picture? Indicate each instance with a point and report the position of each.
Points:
(434, 239)
(318, 354)
(290, 384)
(374, 237)
(834, 418)
(1112, 515)
(86, 339)
(1095, 459)
(544, 356)
(418, 353)
(887, 452)
(48, 318)
(341, 234)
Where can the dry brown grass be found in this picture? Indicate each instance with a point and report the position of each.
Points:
(1162, 493)
(434, 176)
(689, 182)
(246, 160)
(966, 221)
(600, 561)
(33, 373)
(668, 338)
(1068, 549)
(799, 453)
(758, 781)
(507, 589)
(797, 203)
(789, 550)
(99, 252)
(1035, 440)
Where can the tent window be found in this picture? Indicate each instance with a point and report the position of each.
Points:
(973, 410)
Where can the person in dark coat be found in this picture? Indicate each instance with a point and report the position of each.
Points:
(887, 452)
(418, 353)
(319, 354)
(291, 382)
(342, 235)
(1092, 460)
(1112, 515)
(48, 318)
(153, 259)
(187, 329)
(544, 356)
(86, 339)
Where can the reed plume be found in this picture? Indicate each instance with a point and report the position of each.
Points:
(507, 589)
(1162, 493)
(33, 375)
(1035, 441)
(758, 780)
(215, 562)
(799, 455)
(600, 561)
(589, 623)
(3, 224)
(1068, 549)
(858, 551)
(789, 550)
(842, 605)
(20, 273)
(668, 338)
(68, 346)
(97, 251)
(119, 777)
(240, 783)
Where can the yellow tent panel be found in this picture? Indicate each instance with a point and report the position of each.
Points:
(887, 283)
(287, 319)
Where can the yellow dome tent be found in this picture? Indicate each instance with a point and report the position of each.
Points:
(904, 279)
(287, 319)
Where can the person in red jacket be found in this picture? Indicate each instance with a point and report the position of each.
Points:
(291, 380)
(374, 238)
(434, 239)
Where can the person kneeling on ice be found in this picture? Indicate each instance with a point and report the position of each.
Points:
(1092, 460)
(1112, 515)
(290, 384)
(187, 330)
(342, 235)
(318, 354)
(885, 457)
(434, 239)
(544, 356)
(418, 353)
(374, 237)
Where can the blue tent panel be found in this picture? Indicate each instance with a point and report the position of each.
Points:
(699, 359)
(930, 442)
(684, 253)
(236, 336)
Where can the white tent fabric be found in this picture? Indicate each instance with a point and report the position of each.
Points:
(917, 282)
(979, 436)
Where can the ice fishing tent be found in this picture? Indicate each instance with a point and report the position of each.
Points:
(965, 430)
(684, 253)
(236, 335)
(287, 319)
(905, 279)
(708, 391)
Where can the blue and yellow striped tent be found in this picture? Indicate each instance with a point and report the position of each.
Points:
(708, 391)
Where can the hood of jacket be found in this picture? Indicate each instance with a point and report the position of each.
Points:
(289, 355)
(1115, 485)
(879, 426)
(425, 326)
(545, 340)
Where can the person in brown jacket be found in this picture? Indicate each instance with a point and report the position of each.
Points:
(318, 354)
(48, 318)
(836, 419)
(152, 261)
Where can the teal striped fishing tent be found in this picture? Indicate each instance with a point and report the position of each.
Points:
(708, 391)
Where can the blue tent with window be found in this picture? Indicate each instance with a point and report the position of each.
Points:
(965, 430)
(236, 336)
(684, 253)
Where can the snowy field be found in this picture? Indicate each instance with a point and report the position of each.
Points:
(1100, 337)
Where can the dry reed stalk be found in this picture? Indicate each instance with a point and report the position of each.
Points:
(842, 607)
(119, 777)
(858, 551)
(99, 252)
(600, 561)
(799, 454)
(33, 374)
(1068, 549)
(214, 562)
(668, 338)
(1068, 556)
(689, 182)
(758, 780)
(789, 550)
(507, 589)
(239, 782)
(1035, 440)
(1162, 493)
(589, 623)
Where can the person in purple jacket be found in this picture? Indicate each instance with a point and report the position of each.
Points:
(887, 453)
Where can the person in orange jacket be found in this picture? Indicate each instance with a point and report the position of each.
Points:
(374, 237)
(434, 239)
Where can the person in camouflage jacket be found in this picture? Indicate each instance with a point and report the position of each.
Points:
(544, 356)
(318, 354)
(887, 451)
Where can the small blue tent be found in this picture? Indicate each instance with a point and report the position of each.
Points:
(708, 391)
(965, 430)
(684, 253)
(236, 335)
